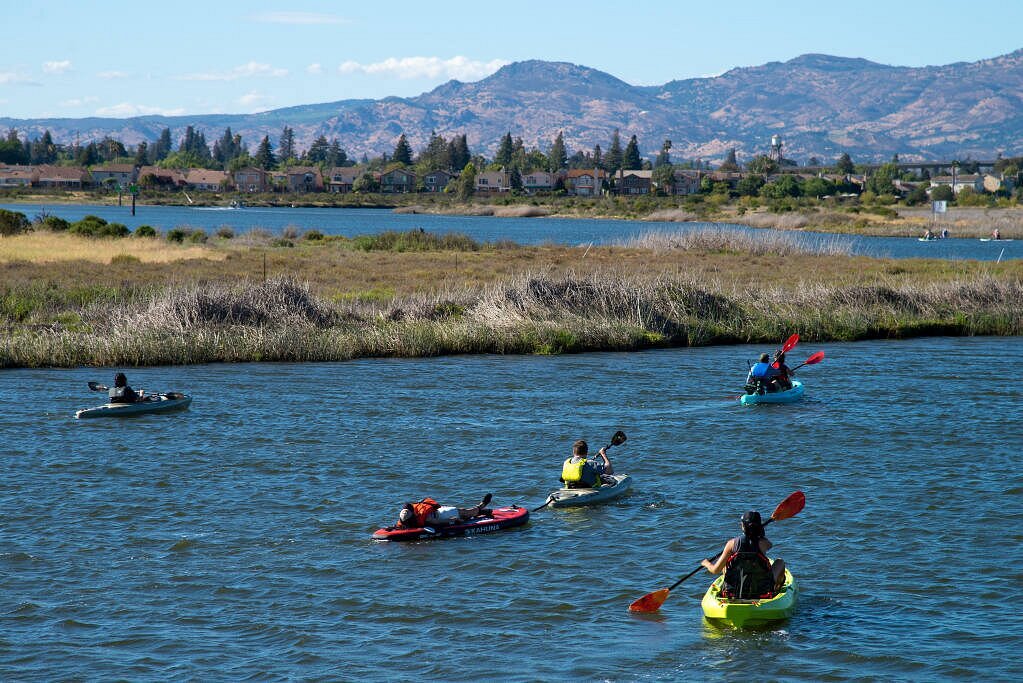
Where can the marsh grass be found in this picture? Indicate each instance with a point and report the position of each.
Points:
(760, 243)
(282, 320)
(57, 247)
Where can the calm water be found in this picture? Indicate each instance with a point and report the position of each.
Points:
(351, 222)
(231, 542)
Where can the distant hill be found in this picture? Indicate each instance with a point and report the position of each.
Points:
(820, 105)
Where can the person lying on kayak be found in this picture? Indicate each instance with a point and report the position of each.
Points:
(748, 572)
(784, 378)
(122, 393)
(429, 512)
(762, 376)
(580, 472)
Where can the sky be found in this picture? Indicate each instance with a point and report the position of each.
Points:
(70, 59)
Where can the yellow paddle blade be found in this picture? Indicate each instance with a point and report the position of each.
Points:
(651, 602)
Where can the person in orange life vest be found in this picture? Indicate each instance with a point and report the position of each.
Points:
(748, 572)
(122, 393)
(429, 512)
(580, 472)
(783, 379)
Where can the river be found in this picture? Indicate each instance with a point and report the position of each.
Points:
(232, 541)
(574, 231)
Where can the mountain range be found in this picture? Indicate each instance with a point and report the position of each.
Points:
(819, 105)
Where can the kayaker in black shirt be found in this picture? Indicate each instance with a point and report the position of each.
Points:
(748, 572)
(122, 393)
(580, 472)
(784, 372)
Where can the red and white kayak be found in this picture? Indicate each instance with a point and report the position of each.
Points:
(503, 518)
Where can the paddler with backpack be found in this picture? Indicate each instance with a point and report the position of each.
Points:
(428, 512)
(748, 572)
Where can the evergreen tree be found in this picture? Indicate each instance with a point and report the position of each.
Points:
(318, 151)
(88, 155)
(467, 181)
(335, 155)
(458, 151)
(613, 161)
(664, 156)
(844, 164)
(264, 158)
(730, 164)
(12, 151)
(142, 154)
(598, 157)
(504, 151)
(163, 146)
(631, 160)
(42, 150)
(226, 148)
(558, 156)
(437, 155)
(402, 152)
(286, 146)
(515, 178)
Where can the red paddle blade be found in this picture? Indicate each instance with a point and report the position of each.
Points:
(789, 507)
(790, 343)
(651, 602)
(814, 359)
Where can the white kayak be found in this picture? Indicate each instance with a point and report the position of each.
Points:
(161, 403)
(563, 498)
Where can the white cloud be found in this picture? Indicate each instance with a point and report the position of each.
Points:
(112, 75)
(250, 70)
(302, 18)
(253, 99)
(314, 68)
(78, 102)
(15, 78)
(461, 68)
(56, 67)
(125, 109)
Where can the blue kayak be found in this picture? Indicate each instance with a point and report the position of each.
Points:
(790, 396)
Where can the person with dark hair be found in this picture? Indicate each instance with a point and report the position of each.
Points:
(122, 393)
(748, 572)
(429, 512)
(580, 472)
(761, 376)
(784, 378)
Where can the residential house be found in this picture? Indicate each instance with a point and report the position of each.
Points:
(633, 183)
(398, 181)
(436, 181)
(167, 178)
(585, 183)
(972, 181)
(18, 176)
(251, 179)
(686, 182)
(303, 179)
(63, 176)
(121, 175)
(342, 178)
(538, 181)
(206, 180)
(493, 181)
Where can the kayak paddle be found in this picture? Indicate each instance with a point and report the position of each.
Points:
(617, 439)
(812, 360)
(789, 344)
(651, 602)
(96, 386)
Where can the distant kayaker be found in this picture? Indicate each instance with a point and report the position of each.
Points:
(944, 234)
(995, 234)
(783, 379)
(748, 572)
(580, 472)
(122, 393)
(762, 375)
(928, 235)
(429, 512)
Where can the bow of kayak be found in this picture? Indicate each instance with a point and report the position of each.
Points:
(748, 613)
(563, 498)
(789, 396)
(161, 403)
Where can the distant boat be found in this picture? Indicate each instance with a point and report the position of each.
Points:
(992, 239)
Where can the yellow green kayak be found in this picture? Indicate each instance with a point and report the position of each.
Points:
(743, 613)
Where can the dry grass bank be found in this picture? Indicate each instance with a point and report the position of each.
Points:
(52, 247)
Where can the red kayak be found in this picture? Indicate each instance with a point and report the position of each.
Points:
(503, 518)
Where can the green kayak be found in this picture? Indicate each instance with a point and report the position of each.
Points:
(161, 403)
(743, 613)
(564, 498)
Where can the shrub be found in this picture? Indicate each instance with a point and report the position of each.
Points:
(13, 222)
(145, 231)
(177, 235)
(225, 233)
(281, 242)
(94, 226)
(54, 224)
(198, 237)
(124, 259)
(114, 230)
(290, 232)
(313, 235)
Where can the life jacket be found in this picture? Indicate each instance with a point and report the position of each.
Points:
(748, 572)
(123, 394)
(580, 473)
(762, 371)
(420, 512)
